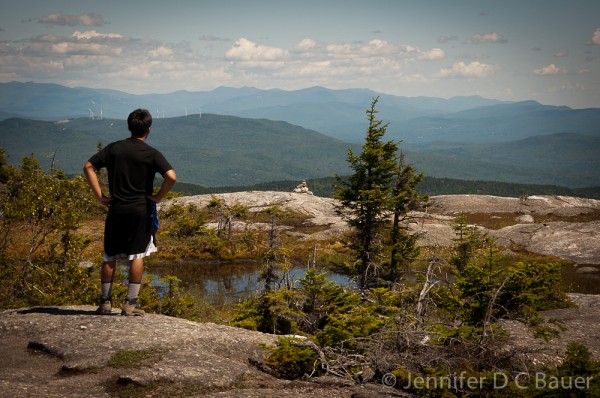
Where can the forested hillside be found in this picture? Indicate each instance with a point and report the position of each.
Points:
(210, 150)
(429, 186)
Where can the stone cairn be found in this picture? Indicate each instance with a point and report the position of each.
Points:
(302, 188)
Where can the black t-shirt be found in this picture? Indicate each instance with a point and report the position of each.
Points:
(131, 165)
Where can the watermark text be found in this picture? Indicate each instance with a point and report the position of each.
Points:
(497, 381)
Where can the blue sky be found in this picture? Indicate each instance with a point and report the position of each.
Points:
(545, 50)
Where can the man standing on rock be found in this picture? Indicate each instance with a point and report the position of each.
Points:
(131, 165)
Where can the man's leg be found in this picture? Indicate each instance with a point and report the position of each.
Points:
(136, 270)
(106, 286)
(136, 273)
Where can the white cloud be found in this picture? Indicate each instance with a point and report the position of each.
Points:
(433, 54)
(92, 34)
(306, 45)
(549, 71)
(113, 59)
(596, 38)
(379, 47)
(326, 63)
(376, 49)
(473, 69)
(90, 19)
(89, 43)
(246, 50)
(161, 51)
(491, 37)
(339, 64)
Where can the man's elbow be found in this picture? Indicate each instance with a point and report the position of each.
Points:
(171, 175)
(87, 167)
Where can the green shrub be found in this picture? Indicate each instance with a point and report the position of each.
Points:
(39, 249)
(186, 227)
(536, 285)
(519, 291)
(271, 312)
(344, 329)
(290, 361)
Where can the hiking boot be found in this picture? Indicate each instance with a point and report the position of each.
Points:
(105, 308)
(130, 310)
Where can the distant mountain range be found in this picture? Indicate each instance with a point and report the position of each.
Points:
(337, 113)
(246, 136)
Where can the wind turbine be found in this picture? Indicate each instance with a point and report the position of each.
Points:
(91, 114)
(53, 164)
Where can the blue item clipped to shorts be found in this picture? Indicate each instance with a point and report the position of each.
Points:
(154, 217)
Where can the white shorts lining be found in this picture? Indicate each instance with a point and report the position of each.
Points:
(151, 248)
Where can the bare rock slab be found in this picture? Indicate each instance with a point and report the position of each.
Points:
(579, 242)
(74, 350)
(214, 356)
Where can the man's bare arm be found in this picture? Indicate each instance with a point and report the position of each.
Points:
(92, 179)
(168, 181)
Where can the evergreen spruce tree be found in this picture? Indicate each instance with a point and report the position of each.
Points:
(375, 200)
(468, 239)
(366, 196)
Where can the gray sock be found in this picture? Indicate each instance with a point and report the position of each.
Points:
(106, 291)
(133, 289)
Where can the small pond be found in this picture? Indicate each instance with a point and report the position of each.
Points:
(227, 282)
(583, 279)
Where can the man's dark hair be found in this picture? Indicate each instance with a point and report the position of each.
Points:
(138, 122)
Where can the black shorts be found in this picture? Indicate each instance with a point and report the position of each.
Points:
(127, 232)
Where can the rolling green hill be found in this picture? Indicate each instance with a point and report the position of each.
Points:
(209, 150)
(563, 159)
(573, 153)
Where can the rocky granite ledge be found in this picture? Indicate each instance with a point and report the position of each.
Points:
(67, 351)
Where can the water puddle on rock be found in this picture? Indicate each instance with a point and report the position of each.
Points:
(583, 278)
(225, 282)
